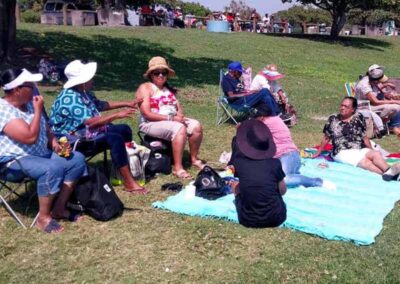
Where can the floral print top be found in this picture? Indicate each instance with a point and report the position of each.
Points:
(163, 101)
(345, 135)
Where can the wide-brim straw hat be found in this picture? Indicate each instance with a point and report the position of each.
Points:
(79, 73)
(254, 140)
(157, 63)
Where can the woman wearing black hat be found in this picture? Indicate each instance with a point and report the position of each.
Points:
(258, 197)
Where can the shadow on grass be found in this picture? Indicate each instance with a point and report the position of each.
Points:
(121, 61)
(357, 42)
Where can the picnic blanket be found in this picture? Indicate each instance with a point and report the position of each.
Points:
(355, 211)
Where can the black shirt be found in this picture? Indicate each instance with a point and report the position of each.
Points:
(259, 202)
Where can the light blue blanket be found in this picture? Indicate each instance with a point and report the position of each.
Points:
(353, 212)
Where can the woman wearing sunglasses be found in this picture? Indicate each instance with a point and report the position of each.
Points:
(162, 116)
(27, 147)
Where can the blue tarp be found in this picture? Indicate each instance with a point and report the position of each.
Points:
(355, 211)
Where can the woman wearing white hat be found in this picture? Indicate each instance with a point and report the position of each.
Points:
(162, 116)
(26, 143)
(76, 111)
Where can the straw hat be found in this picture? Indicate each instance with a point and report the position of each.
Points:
(78, 73)
(156, 63)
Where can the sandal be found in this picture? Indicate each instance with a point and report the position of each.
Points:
(177, 186)
(182, 174)
(53, 227)
(138, 191)
(73, 216)
(199, 164)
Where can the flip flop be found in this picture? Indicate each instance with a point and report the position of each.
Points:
(182, 174)
(176, 186)
(52, 227)
(140, 191)
(199, 164)
(74, 216)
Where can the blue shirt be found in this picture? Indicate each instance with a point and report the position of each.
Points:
(231, 84)
(10, 148)
(71, 109)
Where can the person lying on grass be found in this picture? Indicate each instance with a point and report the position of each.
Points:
(347, 131)
(258, 194)
(234, 90)
(162, 116)
(30, 148)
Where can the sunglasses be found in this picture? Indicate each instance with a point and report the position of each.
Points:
(158, 73)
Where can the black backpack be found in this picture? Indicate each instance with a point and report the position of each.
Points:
(160, 160)
(97, 197)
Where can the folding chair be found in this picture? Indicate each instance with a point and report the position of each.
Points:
(364, 106)
(89, 147)
(227, 111)
(7, 190)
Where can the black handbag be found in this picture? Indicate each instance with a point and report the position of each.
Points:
(210, 185)
(97, 197)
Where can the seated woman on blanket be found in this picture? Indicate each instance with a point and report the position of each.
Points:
(28, 147)
(268, 78)
(234, 90)
(287, 152)
(76, 111)
(162, 116)
(347, 131)
(258, 194)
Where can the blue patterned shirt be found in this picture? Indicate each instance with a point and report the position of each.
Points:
(10, 148)
(71, 109)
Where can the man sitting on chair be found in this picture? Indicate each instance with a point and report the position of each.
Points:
(237, 95)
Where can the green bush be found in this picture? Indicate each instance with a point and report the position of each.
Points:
(30, 16)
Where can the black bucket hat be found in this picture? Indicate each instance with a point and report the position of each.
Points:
(254, 140)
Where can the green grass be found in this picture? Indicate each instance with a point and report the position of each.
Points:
(151, 245)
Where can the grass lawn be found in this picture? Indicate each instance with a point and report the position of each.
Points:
(150, 245)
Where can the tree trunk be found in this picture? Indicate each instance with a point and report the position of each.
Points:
(7, 29)
(338, 21)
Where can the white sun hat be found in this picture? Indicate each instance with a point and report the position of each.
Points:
(25, 76)
(79, 73)
(373, 67)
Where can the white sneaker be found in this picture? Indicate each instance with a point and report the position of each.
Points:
(328, 185)
(391, 172)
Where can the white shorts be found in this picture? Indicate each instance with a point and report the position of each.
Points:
(351, 156)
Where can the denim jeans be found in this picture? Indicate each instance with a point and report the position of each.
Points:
(50, 172)
(115, 137)
(262, 96)
(291, 164)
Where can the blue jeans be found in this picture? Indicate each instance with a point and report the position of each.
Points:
(291, 164)
(262, 96)
(395, 120)
(50, 172)
(115, 137)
